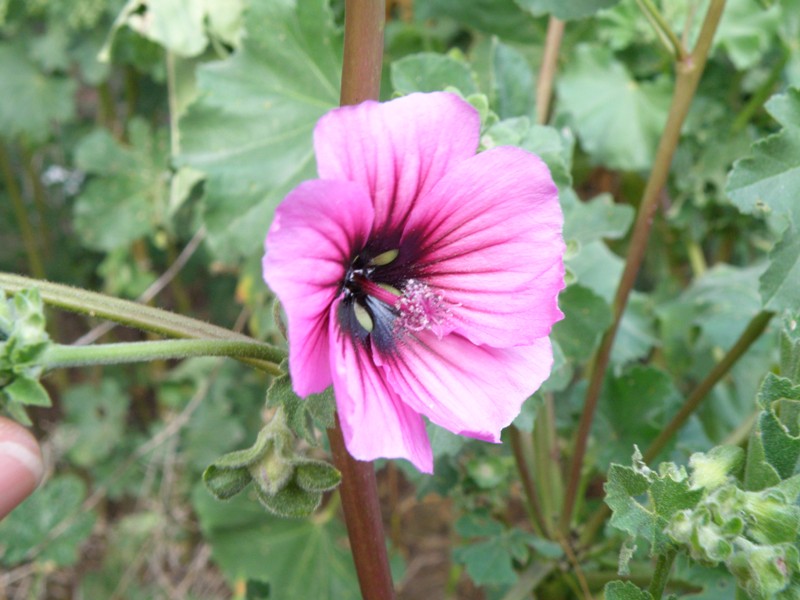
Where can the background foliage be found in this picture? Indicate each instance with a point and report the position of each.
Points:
(143, 148)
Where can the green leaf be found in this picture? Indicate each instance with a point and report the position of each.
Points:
(599, 218)
(768, 181)
(574, 9)
(503, 18)
(633, 408)
(127, 197)
(491, 561)
(619, 590)
(30, 100)
(430, 72)
(637, 333)
(586, 317)
(780, 283)
(301, 559)
(643, 501)
(554, 147)
(250, 131)
(180, 26)
(28, 391)
(94, 420)
(618, 120)
(507, 77)
(50, 523)
(747, 30)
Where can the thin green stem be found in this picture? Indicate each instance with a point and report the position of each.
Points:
(693, 401)
(531, 494)
(132, 314)
(751, 333)
(38, 197)
(689, 72)
(661, 574)
(361, 80)
(663, 29)
(547, 72)
(21, 214)
(59, 355)
(762, 93)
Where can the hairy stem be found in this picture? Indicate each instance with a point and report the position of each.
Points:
(58, 355)
(28, 237)
(547, 72)
(689, 71)
(132, 314)
(661, 574)
(361, 80)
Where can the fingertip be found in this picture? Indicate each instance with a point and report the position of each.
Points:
(21, 466)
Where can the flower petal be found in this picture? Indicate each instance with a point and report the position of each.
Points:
(316, 230)
(489, 238)
(375, 422)
(469, 389)
(397, 149)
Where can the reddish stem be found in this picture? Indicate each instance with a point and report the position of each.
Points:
(361, 80)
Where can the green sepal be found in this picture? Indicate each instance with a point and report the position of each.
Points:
(317, 476)
(292, 501)
(303, 415)
(226, 483)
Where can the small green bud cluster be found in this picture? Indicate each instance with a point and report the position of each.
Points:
(287, 483)
(23, 341)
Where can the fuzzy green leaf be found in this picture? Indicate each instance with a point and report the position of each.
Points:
(429, 72)
(55, 505)
(30, 100)
(574, 9)
(618, 120)
(768, 181)
(780, 283)
(127, 196)
(586, 317)
(301, 559)
(250, 131)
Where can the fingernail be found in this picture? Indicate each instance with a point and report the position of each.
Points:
(20, 471)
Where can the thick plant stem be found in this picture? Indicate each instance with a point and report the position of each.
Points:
(751, 333)
(362, 514)
(689, 72)
(361, 80)
(59, 356)
(28, 236)
(133, 314)
(547, 73)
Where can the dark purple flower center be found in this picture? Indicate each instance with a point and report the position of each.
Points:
(383, 301)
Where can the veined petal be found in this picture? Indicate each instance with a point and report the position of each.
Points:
(375, 422)
(468, 389)
(489, 238)
(316, 230)
(397, 149)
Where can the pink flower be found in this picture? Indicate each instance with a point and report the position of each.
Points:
(418, 277)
